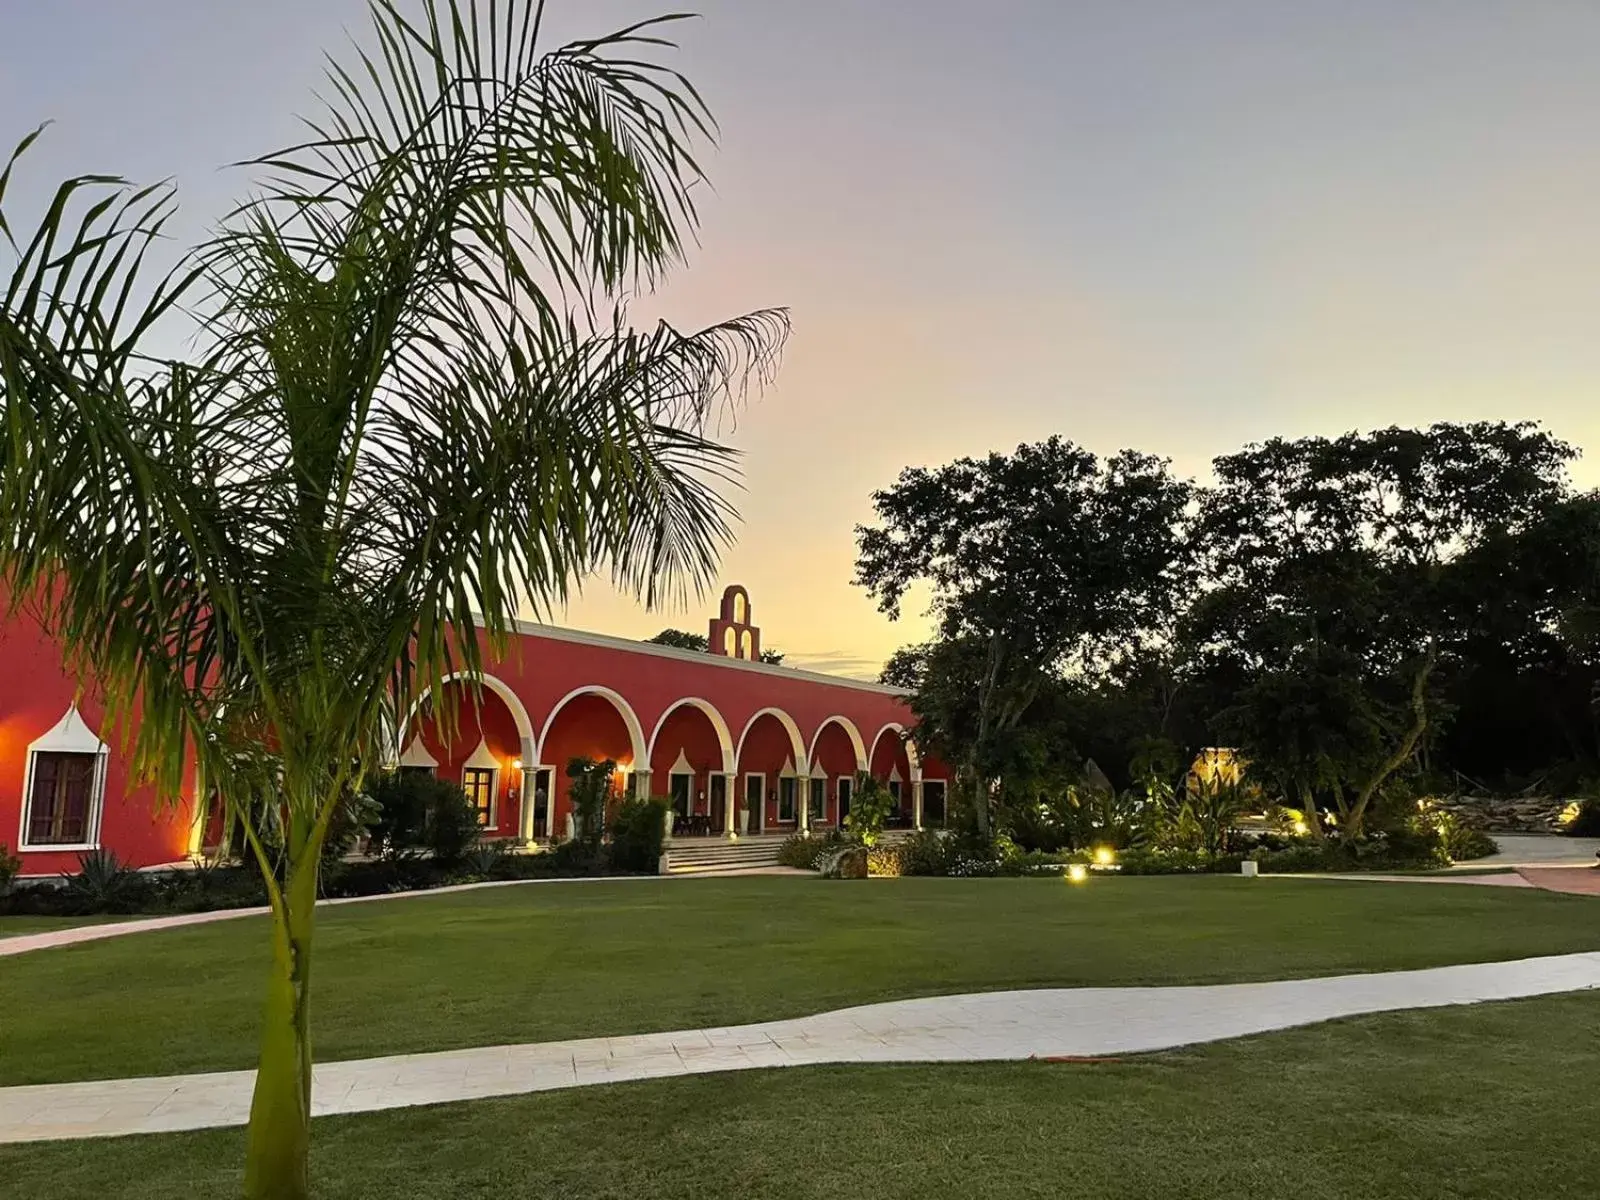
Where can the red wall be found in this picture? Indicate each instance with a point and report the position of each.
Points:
(542, 669)
(38, 690)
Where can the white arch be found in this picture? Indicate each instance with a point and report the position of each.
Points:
(912, 757)
(641, 752)
(796, 742)
(863, 763)
(500, 688)
(724, 737)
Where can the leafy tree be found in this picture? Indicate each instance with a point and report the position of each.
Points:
(591, 790)
(698, 641)
(870, 806)
(1343, 588)
(415, 401)
(1039, 562)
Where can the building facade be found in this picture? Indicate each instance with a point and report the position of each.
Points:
(736, 746)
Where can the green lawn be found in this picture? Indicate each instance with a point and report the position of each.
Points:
(1487, 1103)
(570, 960)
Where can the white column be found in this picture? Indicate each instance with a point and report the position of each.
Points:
(641, 786)
(916, 803)
(802, 787)
(729, 800)
(530, 783)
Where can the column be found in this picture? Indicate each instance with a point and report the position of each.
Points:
(641, 784)
(802, 787)
(729, 803)
(530, 782)
(916, 803)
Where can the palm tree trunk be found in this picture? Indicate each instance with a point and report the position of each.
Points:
(280, 1110)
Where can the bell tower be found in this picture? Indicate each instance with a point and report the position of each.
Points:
(732, 634)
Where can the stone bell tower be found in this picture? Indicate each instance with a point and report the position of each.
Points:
(732, 635)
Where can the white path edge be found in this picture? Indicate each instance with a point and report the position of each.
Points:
(23, 943)
(995, 1026)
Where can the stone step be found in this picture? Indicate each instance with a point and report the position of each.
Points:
(711, 854)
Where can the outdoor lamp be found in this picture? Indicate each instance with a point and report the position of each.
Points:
(1077, 872)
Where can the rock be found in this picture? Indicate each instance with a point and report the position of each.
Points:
(849, 863)
(1508, 814)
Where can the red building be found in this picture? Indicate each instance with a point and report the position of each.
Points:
(737, 745)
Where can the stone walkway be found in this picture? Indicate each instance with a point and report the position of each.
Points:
(1046, 1024)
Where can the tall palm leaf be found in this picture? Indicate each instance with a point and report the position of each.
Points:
(416, 404)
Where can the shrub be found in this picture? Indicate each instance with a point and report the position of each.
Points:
(637, 836)
(418, 811)
(870, 807)
(452, 828)
(883, 860)
(103, 885)
(1587, 823)
(926, 852)
(10, 867)
(591, 788)
(805, 851)
(1463, 842)
(484, 860)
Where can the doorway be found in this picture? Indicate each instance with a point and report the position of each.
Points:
(755, 791)
(719, 803)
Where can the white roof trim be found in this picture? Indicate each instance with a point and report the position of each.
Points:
(894, 774)
(416, 755)
(788, 771)
(681, 767)
(483, 758)
(817, 772)
(698, 657)
(69, 735)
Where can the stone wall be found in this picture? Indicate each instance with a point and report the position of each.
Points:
(1508, 814)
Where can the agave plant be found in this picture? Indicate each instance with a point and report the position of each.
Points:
(415, 404)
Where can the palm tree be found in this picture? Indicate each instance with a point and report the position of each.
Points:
(414, 402)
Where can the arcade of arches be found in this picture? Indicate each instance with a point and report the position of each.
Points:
(733, 744)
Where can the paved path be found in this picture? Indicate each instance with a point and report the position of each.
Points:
(22, 943)
(1538, 850)
(997, 1026)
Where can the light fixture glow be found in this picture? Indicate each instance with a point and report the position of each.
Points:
(1077, 872)
(1301, 828)
(1104, 856)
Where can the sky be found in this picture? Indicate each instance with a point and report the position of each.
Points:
(1173, 226)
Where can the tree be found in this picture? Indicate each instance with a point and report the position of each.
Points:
(1041, 561)
(415, 401)
(1343, 588)
(698, 641)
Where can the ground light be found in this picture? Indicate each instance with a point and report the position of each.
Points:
(1104, 856)
(1077, 872)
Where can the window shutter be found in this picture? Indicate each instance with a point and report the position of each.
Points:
(46, 770)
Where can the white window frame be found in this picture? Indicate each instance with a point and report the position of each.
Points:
(483, 759)
(844, 791)
(69, 736)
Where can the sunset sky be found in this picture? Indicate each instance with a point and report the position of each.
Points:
(1164, 224)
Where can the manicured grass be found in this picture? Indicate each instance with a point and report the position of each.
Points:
(1457, 1104)
(549, 961)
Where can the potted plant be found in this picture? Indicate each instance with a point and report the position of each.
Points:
(744, 816)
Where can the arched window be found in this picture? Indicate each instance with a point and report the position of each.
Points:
(727, 642)
(744, 644)
(65, 787)
(738, 608)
